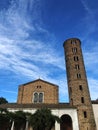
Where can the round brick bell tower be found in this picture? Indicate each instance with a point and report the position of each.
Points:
(79, 95)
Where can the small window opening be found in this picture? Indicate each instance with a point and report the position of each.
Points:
(82, 99)
(77, 67)
(71, 101)
(38, 86)
(80, 87)
(73, 41)
(85, 115)
(70, 89)
(78, 75)
(74, 50)
(76, 58)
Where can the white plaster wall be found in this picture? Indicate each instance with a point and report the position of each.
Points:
(58, 112)
(95, 110)
(71, 112)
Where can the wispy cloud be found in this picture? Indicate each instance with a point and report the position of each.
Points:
(9, 92)
(89, 19)
(15, 46)
(22, 47)
(93, 83)
(25, 47)
(90, 54)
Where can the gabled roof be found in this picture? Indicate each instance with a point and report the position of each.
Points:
(37, 81)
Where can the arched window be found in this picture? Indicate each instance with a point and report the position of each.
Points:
(77, 67)
(38, 97)
(73, 42)
(78, 76)
(35, 97)
(76, 58)
(74, 50)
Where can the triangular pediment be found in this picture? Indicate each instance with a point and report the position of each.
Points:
(39, 80)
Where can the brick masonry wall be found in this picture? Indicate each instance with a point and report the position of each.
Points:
(79, 95)
(26, 91)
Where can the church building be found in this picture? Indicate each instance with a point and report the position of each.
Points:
(80, 113)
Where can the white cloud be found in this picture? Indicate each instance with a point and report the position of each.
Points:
(24, 54)
(90, 54)
(88, 21)
(93, 86)
(8, 91)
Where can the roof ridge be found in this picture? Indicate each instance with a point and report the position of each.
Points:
(39, 80)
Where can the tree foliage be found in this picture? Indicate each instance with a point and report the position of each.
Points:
(4, 119)
(3, 100)
(43, 119)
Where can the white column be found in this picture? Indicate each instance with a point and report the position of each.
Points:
(26, 125)
(57, 126)
(12, 127)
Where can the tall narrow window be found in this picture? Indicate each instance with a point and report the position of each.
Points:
(77, 67)
(74, 50)
(70, 89)
(85, 114)
(80, 87)
(35, 97)
(82, 99)
(78, 76)
(40, 97)
(73, 41)
(71, 101)
(76, 58)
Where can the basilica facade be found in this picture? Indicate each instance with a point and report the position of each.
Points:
(80, 113)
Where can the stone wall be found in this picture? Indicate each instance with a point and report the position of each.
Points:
(79, 95)
(26, 92)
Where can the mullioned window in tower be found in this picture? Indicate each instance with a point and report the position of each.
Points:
(76, 58)
(73, 42)
(78, 76)
(77, 67)
(74, 50)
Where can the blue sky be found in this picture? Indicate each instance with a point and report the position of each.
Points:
(32, 33)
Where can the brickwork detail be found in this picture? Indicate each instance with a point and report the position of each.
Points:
(79, 95)
(26, 92)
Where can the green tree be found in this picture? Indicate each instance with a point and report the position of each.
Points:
(19, 118)
(4, 119)
(3, 100)
(7, 118)
(43, 119)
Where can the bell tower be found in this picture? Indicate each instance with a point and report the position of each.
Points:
(79, 95)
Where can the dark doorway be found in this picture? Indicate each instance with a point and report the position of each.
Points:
(66, 122)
